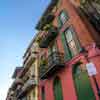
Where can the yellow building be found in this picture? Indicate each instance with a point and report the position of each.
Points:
(29, 75)
(25, 84)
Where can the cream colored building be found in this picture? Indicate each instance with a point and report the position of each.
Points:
(29, 75)
(26, 78)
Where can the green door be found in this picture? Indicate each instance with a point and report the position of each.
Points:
(58, 89)
(82, 84)
(43, 93)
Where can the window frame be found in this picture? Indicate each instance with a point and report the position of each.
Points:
(74, 38)
(60, 21)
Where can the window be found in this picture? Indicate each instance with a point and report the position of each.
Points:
(63, 17)
(70, 40)
(70, 43)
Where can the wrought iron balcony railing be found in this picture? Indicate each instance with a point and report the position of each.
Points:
(43, 19)
(18, 81)
(43, 68)
(29, 58)
(55, 62)
(18, 92)
(46, 19)
(26, 87)
(30, 83)
(47, 38)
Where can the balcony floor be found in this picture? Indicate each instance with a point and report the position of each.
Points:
(51, 70)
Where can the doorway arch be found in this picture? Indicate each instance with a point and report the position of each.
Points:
(82, 83)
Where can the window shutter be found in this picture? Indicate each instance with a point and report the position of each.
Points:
(66, 49)
(59, 23)
(58, 89)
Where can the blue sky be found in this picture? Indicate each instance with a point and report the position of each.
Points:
(18, 19)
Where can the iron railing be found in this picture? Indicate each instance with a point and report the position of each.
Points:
(55, 62)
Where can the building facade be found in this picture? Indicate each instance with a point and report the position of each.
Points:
(57, 63)
(69, 41)
(29, 75)
(16, 85)
(25, 85)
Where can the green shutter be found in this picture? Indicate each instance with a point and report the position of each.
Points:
(59, 23)
(58, 89)
(66, 49)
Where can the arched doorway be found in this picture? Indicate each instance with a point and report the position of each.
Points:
(82, 83)
(57, 89)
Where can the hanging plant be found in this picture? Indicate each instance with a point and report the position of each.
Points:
(43, 62)
(47, 27)
(38, 40)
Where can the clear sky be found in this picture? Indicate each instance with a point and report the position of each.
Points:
(18, 19)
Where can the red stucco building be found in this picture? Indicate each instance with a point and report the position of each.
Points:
(68, 41)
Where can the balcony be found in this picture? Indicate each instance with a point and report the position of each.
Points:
(47, 38)
(44, 19)
(18, 81)
(29, 84)
(55, 62)
(43, 68)
(26, 87)
(29, 58)
(18, 91)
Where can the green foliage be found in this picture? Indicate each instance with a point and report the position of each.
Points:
(38, 39)
(43, 62)
(47, 27)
